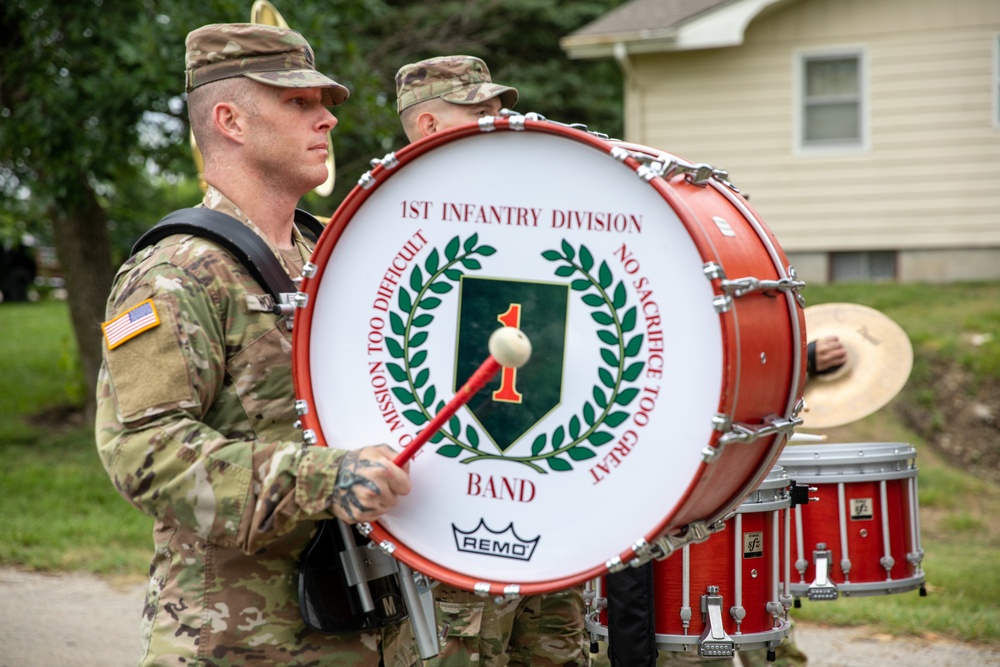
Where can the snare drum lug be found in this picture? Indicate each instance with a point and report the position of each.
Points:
(915, 558)
(366, 181)
(615, 564)
(516, 122)
(512, 591)
(301, 408)
(387, 546)
(714, 642)
(364, 528)
(309, 269)
(300, 300)
(481, 588)
(887, 562)
(487, 124)
(309, 437)
(822, 588)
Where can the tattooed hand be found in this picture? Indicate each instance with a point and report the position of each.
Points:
(368, 484)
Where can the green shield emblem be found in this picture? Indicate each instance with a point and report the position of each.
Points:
(516, 399)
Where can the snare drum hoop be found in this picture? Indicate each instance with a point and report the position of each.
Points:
(380, 173)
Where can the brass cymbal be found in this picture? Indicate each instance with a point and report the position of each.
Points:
(879, 360)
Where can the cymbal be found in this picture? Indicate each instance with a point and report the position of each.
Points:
(879, 360)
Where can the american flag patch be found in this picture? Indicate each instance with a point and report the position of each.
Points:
(130, 324)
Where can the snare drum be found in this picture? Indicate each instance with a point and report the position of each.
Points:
(668, 362)
(730, 593)
(860, 534)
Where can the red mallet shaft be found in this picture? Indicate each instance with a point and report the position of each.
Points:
(510, 348)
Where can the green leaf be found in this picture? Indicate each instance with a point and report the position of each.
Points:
(621, 296)
(472, 435)
(565, 271)
(593, 300)
(598, 438)
(471, 263)
(568, 250)
(418, 359)
(558, 464)
(609, 357)
(430, 395)
(395, 349)
(580, 453)
(557, 437)
(440, 287)
(602, 318)
(416, 417)
(626, 397)
(404, 396)
(430, 303)
(552, 255)
(470, 242)
(600, 398)
(588, 413)
(397, 372)
(628, 321)
(607, 336)
(632, 372)
(421, 379)
(634, 346)
(405, 303)
(486, 250)
(432, 262)
(451, 250)
(581, 285)
(604, 276)
(454, 425)
(607, 379)
(416, 279)
(451, 451)
(539, 444)
(423, 320)
(574, 427)
(396, 324)
(453, 274)
(436, 438)
(615, 418)
(586, 259)
(418, 339)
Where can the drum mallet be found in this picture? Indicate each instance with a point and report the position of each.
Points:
(509, 348)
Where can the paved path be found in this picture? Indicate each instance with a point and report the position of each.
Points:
(77, 620)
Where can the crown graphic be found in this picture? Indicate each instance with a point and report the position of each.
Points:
(501, 543)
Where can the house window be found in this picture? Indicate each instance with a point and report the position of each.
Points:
(832, 101)
(852, 267)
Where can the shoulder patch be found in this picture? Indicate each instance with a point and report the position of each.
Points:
(141, 317)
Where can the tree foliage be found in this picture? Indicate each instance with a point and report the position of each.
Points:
(93, 129)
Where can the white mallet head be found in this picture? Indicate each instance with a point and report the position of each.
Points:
(510, 347)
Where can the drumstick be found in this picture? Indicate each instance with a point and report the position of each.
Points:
(509, 348)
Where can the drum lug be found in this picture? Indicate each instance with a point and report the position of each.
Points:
(364, 528)
(301, 408)
(481, 588)
(822, 588)
(714, 641)
(309, 436)
(745, 433)
(309, 269)
(742, 286)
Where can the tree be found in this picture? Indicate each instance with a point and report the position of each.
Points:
(93, 128)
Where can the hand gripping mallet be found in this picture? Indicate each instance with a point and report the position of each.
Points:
(509, 348)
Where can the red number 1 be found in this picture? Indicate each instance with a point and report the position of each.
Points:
(508, 378)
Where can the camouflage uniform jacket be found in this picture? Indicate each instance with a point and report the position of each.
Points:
(195, 427)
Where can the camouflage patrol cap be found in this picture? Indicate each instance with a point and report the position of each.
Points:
(266, 54)
(457, 79)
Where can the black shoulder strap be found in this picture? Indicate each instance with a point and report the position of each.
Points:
(246, 246)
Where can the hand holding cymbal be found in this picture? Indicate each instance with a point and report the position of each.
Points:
(509, 348)
(879, 357)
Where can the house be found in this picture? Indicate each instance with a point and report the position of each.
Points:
(866, 132)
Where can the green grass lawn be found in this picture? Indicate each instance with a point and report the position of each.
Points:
(59, 511)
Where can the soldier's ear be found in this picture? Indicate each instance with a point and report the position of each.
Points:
(229, 121)
(427, 123)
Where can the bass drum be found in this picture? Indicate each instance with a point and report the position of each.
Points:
(668, 362)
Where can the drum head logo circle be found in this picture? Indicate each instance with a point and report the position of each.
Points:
(603, 269)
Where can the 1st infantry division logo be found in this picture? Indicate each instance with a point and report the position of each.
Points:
(516, 401)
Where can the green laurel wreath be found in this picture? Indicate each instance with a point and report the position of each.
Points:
(609, 311)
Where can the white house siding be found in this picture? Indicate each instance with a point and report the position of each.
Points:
(930, 177)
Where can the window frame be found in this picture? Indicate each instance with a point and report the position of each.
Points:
(863, 143)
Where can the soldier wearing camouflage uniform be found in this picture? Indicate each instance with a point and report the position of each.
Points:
(539, 630)
(195, 397)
